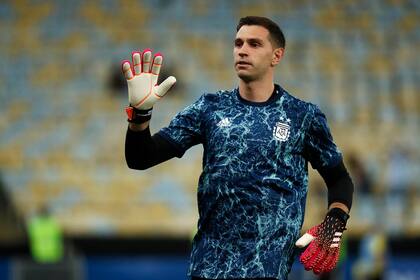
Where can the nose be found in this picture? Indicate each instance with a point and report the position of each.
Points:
(243, 51)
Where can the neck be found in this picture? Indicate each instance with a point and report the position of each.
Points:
(256, 91)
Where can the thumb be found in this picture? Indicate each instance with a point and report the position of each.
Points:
(304, 240)
(166, 85)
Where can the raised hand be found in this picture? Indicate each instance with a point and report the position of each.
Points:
(143, 92)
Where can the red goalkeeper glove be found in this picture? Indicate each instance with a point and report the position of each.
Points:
(324, 242)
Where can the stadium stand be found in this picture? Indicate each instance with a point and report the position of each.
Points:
(62, 127)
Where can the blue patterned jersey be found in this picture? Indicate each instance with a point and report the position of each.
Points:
(252, 190)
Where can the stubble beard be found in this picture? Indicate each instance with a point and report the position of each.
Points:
(245, 78)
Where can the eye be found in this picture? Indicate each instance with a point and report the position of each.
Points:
(238, 43)
(254, 44)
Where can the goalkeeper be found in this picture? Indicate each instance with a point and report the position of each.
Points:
(258, 140)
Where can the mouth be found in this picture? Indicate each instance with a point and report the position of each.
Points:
(243, 63)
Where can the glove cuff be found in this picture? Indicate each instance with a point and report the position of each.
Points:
(138, 116)
(339, 214)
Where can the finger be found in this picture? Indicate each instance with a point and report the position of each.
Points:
(304, 240)
(318, 265)
(318, 255)
(146, 58)
(126, 69)
(157, 63)
(308, 263)
(320, 268)
(308, 254)
(165, 86)
(305, 260)
(332, 262)
(136, 62)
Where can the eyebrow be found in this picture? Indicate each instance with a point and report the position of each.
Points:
(252, 40)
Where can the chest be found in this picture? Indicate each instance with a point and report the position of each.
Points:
(253, 131)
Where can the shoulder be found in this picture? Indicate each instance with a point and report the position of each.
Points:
(294, 103)
(218, 95)
(217, 98)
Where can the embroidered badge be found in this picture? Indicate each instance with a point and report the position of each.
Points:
(281, 130)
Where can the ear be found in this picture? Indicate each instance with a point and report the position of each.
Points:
(277, 56)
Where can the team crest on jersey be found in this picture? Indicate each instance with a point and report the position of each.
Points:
(281, 131)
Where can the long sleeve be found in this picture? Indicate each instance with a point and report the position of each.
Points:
(320, 149)
(143, 150)
(339, 184)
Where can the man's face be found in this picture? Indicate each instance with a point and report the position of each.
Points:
(253, 52)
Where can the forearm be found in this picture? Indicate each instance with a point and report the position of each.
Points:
(340, 187)
(138, 127)
(143, 151)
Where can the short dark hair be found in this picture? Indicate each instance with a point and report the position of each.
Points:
(276, 35)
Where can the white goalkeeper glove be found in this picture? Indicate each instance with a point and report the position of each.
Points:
(143, 91)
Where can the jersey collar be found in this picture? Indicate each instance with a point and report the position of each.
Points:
(277, 93)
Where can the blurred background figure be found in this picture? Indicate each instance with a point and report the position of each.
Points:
(45, 237)
(62, 121)
(400, 178)
(373, 254)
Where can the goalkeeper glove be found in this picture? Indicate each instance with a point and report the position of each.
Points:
(143, 91)
(324, 242)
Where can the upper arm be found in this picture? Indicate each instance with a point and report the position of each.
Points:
(319, 147)
(185, 129)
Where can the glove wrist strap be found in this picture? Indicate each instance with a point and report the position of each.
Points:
(339, 214)
(138, 116)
